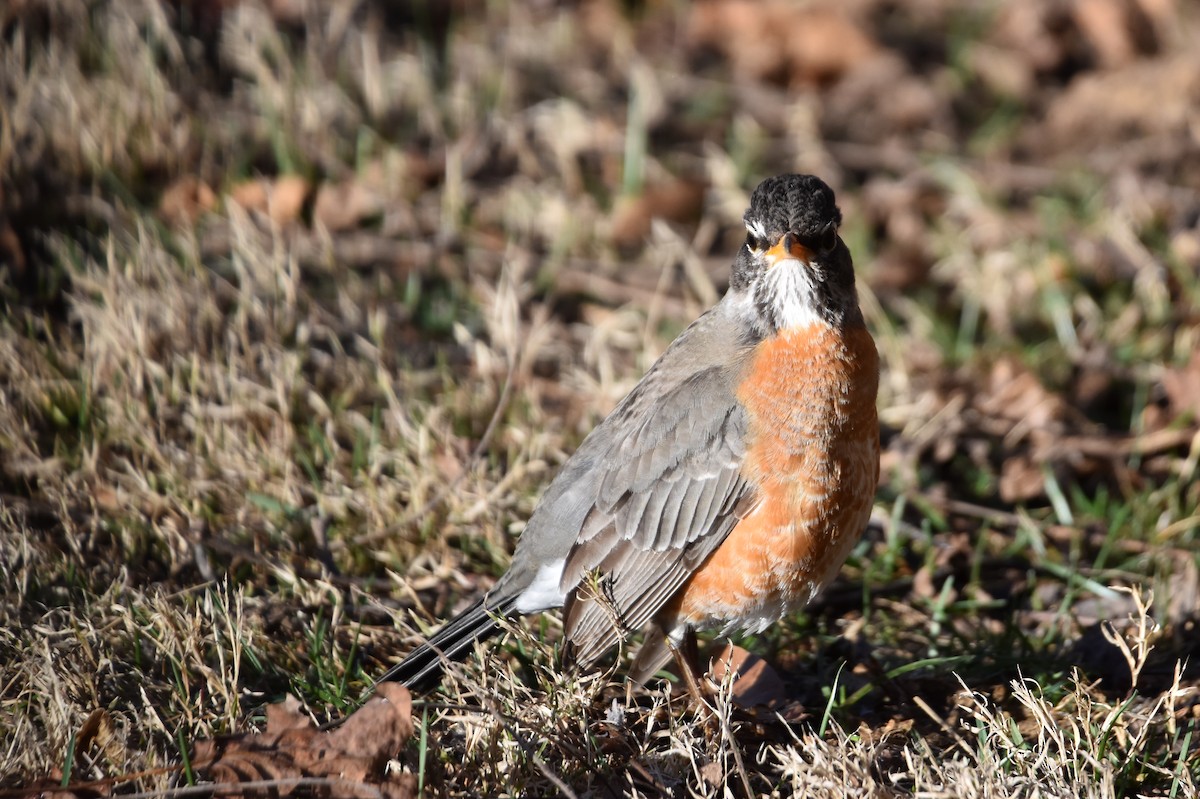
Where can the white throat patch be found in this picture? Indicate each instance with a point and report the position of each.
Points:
(790, 293)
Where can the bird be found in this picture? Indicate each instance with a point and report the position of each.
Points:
(730, 484)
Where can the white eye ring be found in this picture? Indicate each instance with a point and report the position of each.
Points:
(755, 238)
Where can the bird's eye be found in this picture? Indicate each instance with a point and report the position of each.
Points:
(753, 242)
(828, 240)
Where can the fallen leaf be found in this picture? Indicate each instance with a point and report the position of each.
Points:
(1035, 33)
(382, 726)
(712, 773)
(346, 205)
(677, 201)
(1004, 71)
(905, 209)
(281, 199)
(99, 732)
(1114, 108)
(880, 99)
(822, 44)
(1182, 387)
(1118, 31)
(922, 585)
(878, 736)
(449, 465)
(346, 763)
(186, 200)
(1021, 479)
(286, 715)
(1014, 393)
(1185, 246)
(755, 682)
(797, 44)
(1183, 594)
(251, 194)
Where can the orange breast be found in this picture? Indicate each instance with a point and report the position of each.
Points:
(813, 454)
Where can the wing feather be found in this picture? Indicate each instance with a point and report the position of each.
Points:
(649, 494)
(657, 536)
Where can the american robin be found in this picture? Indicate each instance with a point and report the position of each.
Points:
(730, 484)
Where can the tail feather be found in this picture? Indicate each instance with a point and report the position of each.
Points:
(423, 667)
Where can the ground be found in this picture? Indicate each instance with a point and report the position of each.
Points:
(305, 303)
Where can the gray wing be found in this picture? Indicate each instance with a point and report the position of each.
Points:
(671, 496)
(650, 493)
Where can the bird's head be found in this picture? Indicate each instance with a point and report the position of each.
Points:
(794, 269)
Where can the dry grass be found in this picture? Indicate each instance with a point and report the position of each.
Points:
(251, 449)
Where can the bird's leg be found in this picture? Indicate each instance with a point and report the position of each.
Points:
(687, 657)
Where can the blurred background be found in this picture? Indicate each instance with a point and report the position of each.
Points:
(304, 302)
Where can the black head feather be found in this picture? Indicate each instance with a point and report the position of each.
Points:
(805, 207)
(800, 204)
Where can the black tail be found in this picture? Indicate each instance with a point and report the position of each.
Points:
(423, 667)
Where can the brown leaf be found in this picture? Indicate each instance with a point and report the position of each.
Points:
(823, 45)
(922, 585)
(879, 99)
(381, 726)
(1015, 393)
(1117, 30)
(712, 773)
(90, 727)
(108, 499)
(905, 210)
(1006, 72)
(287, 715)
(449, 465)
(755, 682)
(251, 194)
(1032, 32)
(1021, 479)
(1182, 387)
(348, 762)
(742, 31)
(186, 200)
(878, 736)
(346, 205)
(1114, 108)
(1185, 246)
(798, 44)
(1183, 595)
(281, 199)
(677, 201)
(99, 732)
